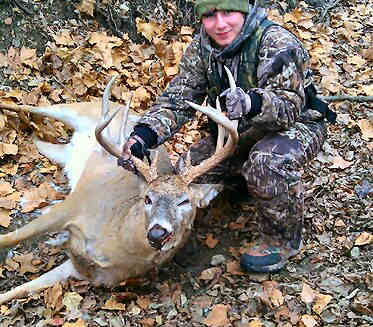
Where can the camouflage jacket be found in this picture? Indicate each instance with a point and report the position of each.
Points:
(265, 58)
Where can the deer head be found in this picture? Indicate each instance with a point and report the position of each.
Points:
(116, 224)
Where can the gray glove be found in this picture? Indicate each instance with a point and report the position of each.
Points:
(238, 103)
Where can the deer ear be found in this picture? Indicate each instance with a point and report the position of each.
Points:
(205, 193)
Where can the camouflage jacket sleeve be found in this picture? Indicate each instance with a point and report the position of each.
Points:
(282, 69)
(169, 112)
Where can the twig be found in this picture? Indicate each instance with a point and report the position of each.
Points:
(23, 8)
(45, 24)
(352, 98)
(65, 88)
(112, 19)
(325, 8)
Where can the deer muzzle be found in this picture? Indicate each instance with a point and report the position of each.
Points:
(158, 236)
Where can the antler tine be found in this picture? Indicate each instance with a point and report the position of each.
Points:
(106, 96)
(222, 152)
(122, 132)
(192, 172)
(221, 130)
(232, 83)
(149, 172)
(100, 139)
(106, 120)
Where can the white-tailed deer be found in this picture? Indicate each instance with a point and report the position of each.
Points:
(117, 225)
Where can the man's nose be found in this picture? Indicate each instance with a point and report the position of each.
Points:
(220, 20)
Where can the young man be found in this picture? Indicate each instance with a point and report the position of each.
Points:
(281, 122)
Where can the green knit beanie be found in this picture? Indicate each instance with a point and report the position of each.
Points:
(203, 6)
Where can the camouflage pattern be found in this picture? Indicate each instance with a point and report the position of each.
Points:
(272, 168)
(276, 144)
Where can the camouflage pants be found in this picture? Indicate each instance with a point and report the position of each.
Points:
(272, 167)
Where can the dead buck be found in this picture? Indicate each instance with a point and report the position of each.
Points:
(117, 225)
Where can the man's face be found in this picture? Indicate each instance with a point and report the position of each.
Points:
(223, 26)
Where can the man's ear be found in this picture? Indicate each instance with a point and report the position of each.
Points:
(205, 193)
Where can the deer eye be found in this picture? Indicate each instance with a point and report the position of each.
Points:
(147, 200)
(183, 203)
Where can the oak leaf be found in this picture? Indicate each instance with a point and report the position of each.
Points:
(211, 242)
(218, 316)
(366, 127)
(308, 321)
(111, 304)
(307, 295)
(322, 300)
(364, 239)
(4, 218)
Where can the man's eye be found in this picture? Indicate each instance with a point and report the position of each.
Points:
(210, 13)
(183, 203)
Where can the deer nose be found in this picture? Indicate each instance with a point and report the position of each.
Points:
(157, 235)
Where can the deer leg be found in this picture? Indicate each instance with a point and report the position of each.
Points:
(58, 274)
(51, 221)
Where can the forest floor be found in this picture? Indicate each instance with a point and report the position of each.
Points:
(64, 51)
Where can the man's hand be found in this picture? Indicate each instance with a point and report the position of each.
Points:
(238, 103)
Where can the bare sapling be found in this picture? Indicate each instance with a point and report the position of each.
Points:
(116, 224)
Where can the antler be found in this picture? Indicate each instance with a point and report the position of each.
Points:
(222, 151)
(149, 172)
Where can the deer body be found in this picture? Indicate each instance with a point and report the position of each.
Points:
(116, 224)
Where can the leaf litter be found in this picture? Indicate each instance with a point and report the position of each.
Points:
(329, 282)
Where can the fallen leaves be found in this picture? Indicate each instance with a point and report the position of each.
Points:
(366, 127)
(320, 301)
(39, 197)
(218, 316)
(111, 304)
(364, 238)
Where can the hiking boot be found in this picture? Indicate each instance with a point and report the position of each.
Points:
(269, 254)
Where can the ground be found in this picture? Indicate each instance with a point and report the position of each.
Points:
(330, 283)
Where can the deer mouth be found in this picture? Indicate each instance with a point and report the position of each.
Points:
(158, 236)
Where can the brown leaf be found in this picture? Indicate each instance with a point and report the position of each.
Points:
(210, 273)
(307, 294)
(366, 127)
(72, 300)
(255, 323)
(150, 30)
(4, 218)
(322, 300)
(274, 294)
(87, 7)
(25, 263)
(233, 267)
(211, 242)
(5, 188)
(79, 323)
(364, 239)
(218, 316)
(147, 322)
(6, 148)
(39, 197)
(143, 302)
(308, 321)
(53, 297)
(4, 310)
(64, 38)
(111, 304)
(3, 60)
(28, 57)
